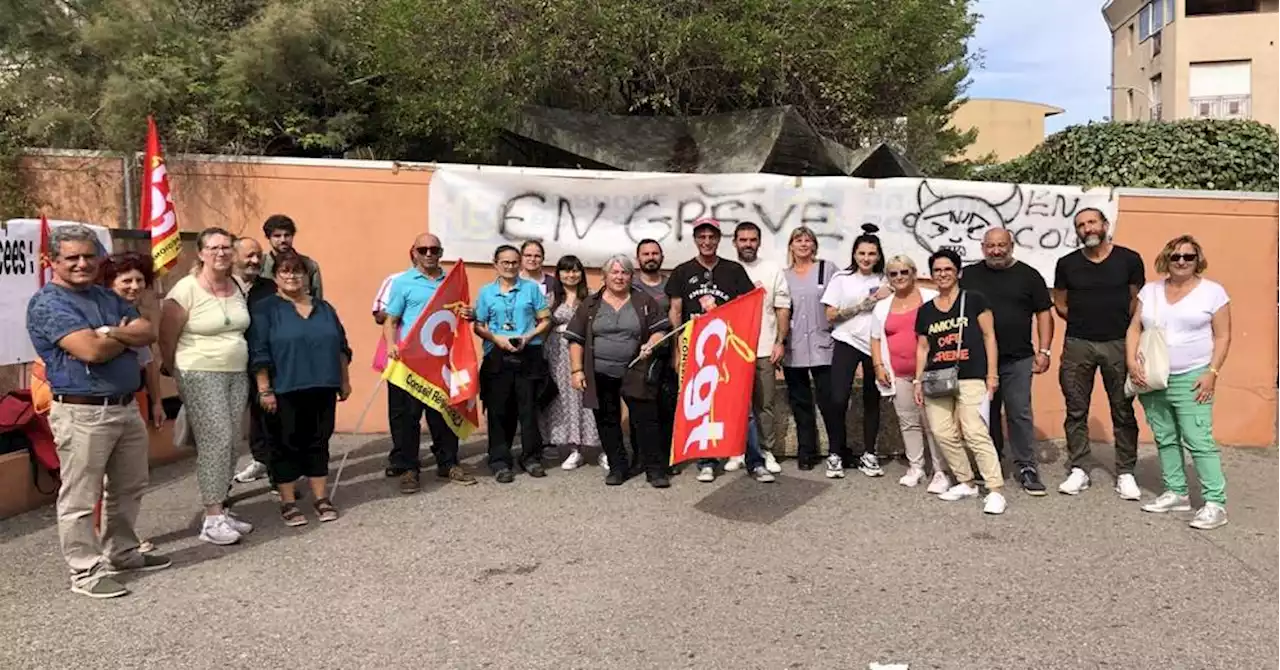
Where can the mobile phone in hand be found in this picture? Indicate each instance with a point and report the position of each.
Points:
(515, 341)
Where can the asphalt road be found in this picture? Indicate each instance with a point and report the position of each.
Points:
(565, 573)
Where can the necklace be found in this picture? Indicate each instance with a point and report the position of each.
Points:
(222, 304)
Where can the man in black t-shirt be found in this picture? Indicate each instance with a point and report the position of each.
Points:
(1017, 295)
(1094, 291)
(696, 287)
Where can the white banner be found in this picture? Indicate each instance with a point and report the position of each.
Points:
(19, 280)
(473, 211)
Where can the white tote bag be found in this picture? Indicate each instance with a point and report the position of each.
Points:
(1153, 356)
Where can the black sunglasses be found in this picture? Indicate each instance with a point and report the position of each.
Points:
(427, 251)
(1177, 258)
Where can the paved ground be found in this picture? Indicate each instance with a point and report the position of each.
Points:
(565, 573)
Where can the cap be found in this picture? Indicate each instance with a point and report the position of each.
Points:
(706, 222)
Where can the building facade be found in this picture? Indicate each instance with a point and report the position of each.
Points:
(1006, 128)
(1187, 59)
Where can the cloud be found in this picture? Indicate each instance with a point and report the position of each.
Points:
(1057, 52)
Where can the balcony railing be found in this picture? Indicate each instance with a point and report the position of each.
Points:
(1220, 107)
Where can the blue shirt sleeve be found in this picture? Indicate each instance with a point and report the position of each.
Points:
(50, 319)
(482, 308)
(396, 295)
(342, 333)
(259, 335)
(540, 307)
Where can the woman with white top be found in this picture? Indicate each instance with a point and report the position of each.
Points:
(849, 299)
(808, 354)
(1196, 318)
(532, 256)
(893, 351)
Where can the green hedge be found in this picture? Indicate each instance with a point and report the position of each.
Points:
(1200, 154)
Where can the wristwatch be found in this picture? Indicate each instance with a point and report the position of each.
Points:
(1046, 352)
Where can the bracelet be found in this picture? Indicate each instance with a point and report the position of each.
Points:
(268, 392)
(574, 372)
(1213, 370)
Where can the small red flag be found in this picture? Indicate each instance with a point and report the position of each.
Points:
(158, 214)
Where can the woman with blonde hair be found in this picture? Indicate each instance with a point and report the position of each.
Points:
(808, 351)
(202, 326)
(1196, 318)
(893, 352)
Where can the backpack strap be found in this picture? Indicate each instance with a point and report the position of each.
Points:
(822, 273)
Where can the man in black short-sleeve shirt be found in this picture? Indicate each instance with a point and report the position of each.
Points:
(1018, 297)
(1094, 289)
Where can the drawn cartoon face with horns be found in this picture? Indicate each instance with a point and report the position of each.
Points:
(958, 222)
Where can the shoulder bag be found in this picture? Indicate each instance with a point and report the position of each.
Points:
(945, 383)
(1153, 355)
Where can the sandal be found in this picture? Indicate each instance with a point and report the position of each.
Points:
(326, 510)
(292, 515)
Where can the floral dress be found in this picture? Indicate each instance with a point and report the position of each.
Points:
(565, 421)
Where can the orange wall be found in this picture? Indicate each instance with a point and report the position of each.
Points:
(358, 222)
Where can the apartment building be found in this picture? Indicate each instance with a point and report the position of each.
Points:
(1006, 128)
(1184, 59)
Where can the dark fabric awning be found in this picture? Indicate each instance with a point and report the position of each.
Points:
(775, 140)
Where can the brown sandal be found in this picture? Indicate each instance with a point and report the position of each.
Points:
(292, 515)
(326, 510)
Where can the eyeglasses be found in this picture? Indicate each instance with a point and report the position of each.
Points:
(944, 271)
(899, 273)
(429, 251)
(509, 264)
(1178, 258)
(218, 250)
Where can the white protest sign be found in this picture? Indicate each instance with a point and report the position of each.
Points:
(19, 280)
(474, 211)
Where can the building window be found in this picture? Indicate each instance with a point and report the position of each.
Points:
(1221, 89)
(1211, 7)
(1153, 92)
(1144, 23)
(1133, 39)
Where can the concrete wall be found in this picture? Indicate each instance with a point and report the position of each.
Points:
(358, 219)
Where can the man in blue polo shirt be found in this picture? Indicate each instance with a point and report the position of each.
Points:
(86, 337)
(511, 317)
(406, 299)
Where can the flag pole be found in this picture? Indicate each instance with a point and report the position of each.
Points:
(337, 477)
(673, 333)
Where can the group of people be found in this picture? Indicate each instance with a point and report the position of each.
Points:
(562, 359)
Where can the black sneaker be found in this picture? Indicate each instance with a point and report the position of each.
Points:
(659, 481)
(504, 476)
(614, 478)
(1030, 481)
(535, 469)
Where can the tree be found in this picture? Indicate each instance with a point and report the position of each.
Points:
(1190, 154)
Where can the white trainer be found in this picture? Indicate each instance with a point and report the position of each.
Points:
(835, 467)
(1211, 516)
(603, 462)
(734, 463)
(939, 484)
(1127, 487)
(252, 472)
(573, 461)
(234, 522)
(216, 531)
(763, 475)
(1168, 502)
(913, 477)
(706, 474)
(1076, 482)
(959, 492)
(995, 503)
(771, 464)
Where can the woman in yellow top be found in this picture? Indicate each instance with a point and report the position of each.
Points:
(202, 342)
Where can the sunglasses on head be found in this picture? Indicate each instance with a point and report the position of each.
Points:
(1178, 258)
(429, 251)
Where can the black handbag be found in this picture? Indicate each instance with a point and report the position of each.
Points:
(945, 383)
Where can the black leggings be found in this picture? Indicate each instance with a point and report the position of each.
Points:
(845, 360)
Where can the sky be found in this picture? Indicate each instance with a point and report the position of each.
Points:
(1056, 52)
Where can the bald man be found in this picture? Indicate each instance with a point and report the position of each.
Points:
(1018, 297)
(406, 299)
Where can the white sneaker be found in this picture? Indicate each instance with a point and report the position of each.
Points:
(913, 477)
(771, 464)
(959, 492)
(835, 467)
(706, 474)
(603, 462)
(1168, 502)
(252, 472)
(1211, 516)
(237, 524)
(939, 484)
(762, 475)
(216, 531)
(995, 503)
(1076, 482)
(573, 461)
(869, 465)
(734, 463)
(1127, 487)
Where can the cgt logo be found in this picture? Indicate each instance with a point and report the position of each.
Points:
(446, 316)
(698, 401)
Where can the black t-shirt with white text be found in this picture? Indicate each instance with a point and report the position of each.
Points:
(942, 328)
(700, 289)
(1016, 294)
(1098, 294)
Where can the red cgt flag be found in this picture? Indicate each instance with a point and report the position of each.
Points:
(158, 214)
(717, 370)
(437, 363)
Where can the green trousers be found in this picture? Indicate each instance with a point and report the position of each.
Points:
(1176, 419)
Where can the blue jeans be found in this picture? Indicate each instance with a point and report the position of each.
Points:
(755, 457)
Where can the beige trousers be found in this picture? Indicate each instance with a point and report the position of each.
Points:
(915, 430)
(948, 417)
(95, 442)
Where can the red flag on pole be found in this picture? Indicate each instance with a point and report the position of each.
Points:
(717, 370)
(158, 214)
(46, 263)
(438, 363)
